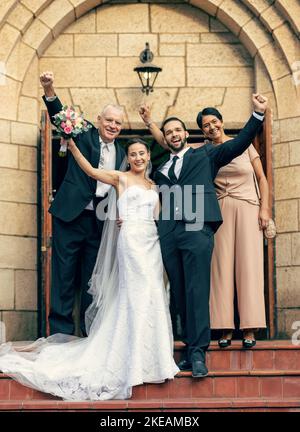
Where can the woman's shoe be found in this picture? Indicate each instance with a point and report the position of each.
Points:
(224, 343)
(249, 343)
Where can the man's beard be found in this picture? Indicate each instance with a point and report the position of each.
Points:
(178, 149)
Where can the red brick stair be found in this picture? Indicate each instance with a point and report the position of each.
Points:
(266, 378)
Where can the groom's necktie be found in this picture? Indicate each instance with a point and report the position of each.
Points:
(171, 172)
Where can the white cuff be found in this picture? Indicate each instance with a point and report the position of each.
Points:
(50, 98)
(259, 116)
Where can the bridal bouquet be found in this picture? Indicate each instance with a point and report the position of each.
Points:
(69, 124)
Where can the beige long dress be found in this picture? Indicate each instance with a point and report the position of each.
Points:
(238, 253)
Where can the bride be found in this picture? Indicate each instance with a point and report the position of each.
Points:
(130, 339)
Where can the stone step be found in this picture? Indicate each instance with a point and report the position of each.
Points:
(218, 384)
(266, 355)
(156, 405)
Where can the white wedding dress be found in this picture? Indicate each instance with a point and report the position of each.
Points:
(133, 343)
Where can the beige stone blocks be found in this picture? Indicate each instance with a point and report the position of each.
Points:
(296, 249)
(285, 320)
(282, 209)
(84, 6)
(20, 17)
(38, 36)
(180, 38)
(4, 131)
(257, 6)
(290, 129)
(9, 99)
(288, 287)
(288, 97)
(31, 80)
(223, 38)
(58, 15)
(129, 18)
(120, 72)
(172, 50)
(8, 156)
(26, 290)
(191, 100)
(28, 110)
(210, 7)
(6, 6)
(133, 44)
(295, 153)
(8, 38)
(20, 326)
(85, 24)
(274, 61)
(28, 158)
(18, 252)
(290, 9)
(287, 184)
(236, 107)
(220, 77)
(262, 79)
(223, 55)
(281, 155)
(18, 219)
(160, 101)
(7, 289)
(19, 61)
(72, 72)
(271, 18)
(36, 6)
(63, 46)
(289, 44)
(23, 133)
(283, 250)
(92, 101)
(253, 36)
(233, 15)
(18, 186)
(98, 45)
(178, 19)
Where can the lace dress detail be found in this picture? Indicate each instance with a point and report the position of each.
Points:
(133, 344)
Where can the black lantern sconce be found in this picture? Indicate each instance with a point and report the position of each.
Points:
(147, 71)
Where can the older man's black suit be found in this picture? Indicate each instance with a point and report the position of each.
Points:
(76, 232)
(187, 254)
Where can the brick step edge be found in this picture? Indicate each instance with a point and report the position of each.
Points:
(236, 345)
(218, 373)
(156, 404)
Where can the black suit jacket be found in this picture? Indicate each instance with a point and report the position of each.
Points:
(200, 167)
(77, 188)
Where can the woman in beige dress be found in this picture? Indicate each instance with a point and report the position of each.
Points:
(242, 191)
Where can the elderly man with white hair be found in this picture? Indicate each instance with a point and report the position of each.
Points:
(76, 231)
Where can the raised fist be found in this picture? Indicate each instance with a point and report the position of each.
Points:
(47, 79)
(259, 102)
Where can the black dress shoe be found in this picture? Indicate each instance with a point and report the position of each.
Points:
(199, 369)
(224, 343)
(249, 343)
(185, 365)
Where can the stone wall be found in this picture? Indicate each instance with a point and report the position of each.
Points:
(213, 52)
(203, 63)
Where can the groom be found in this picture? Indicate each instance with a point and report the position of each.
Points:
(76, 232)
(186, 251)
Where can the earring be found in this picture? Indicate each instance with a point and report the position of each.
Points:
(128, 167)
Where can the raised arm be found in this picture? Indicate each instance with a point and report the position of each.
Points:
(50, 98)
(105, 176)
(224, 153)
(145, 113)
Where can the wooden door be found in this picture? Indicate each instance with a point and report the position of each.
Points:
(49, 182)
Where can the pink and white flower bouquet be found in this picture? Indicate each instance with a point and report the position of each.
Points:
(69, 124)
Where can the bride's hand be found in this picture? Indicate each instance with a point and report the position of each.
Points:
(119, 223)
